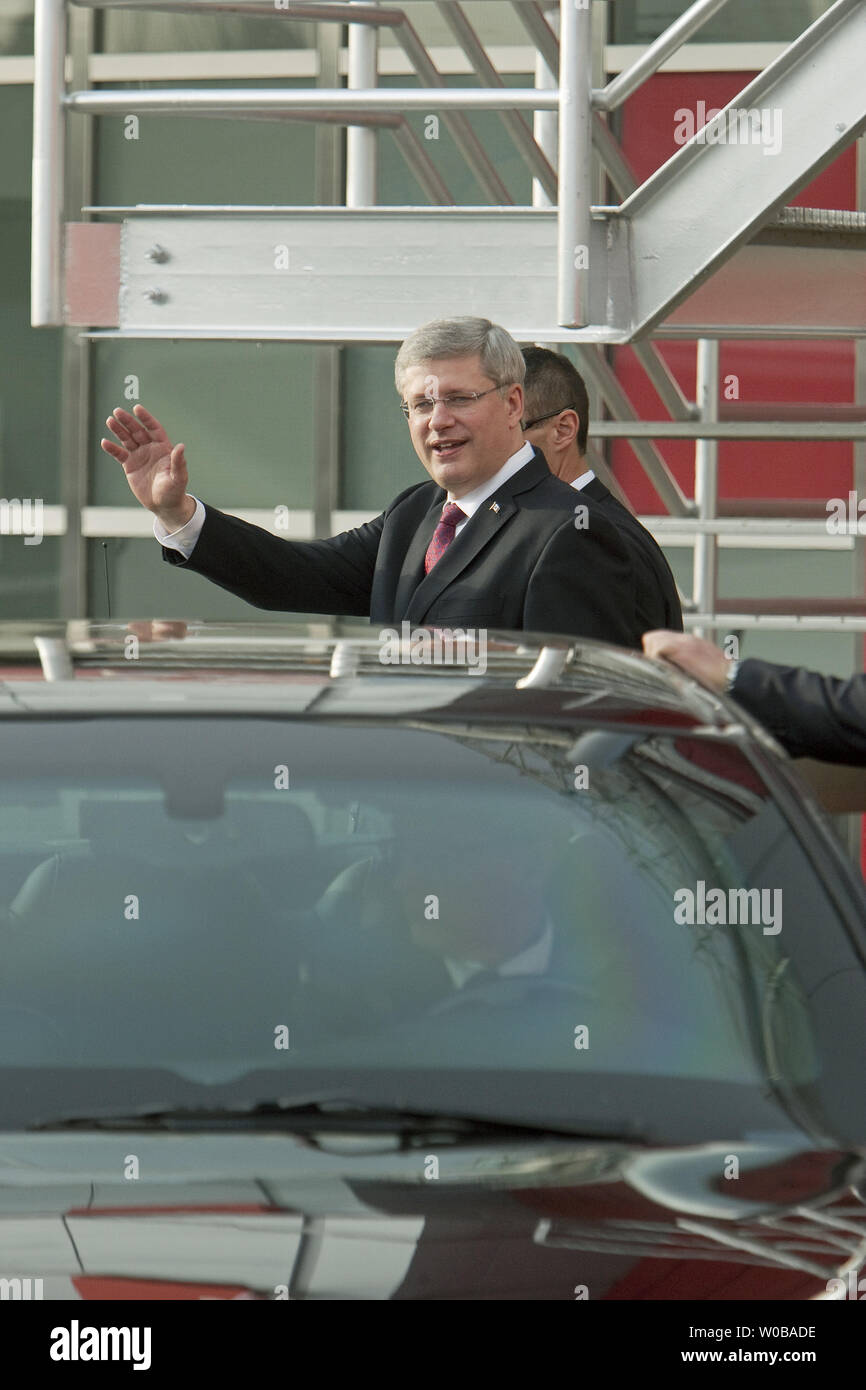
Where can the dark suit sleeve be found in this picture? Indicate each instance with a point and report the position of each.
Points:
(327, 576)
(812, 716)
(584, 583)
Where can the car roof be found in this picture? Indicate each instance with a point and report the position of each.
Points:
(341, 668)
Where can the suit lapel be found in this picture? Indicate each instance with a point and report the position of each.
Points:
(478, 531)
(481, 528)
(412, 569)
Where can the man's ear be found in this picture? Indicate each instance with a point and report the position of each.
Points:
(566, 427)
(516, 404)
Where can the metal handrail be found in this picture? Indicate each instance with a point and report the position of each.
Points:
(230, 100)
(353, 14)
(682, 29)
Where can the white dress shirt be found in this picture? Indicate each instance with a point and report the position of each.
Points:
(184, 539)
(471, 501)
(584, 478)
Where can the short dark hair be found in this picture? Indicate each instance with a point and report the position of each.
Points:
(552, 383)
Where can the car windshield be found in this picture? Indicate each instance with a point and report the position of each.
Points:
(528, 913)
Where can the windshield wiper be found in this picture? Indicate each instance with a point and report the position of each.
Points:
(337, 1116)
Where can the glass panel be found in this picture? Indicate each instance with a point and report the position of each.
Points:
(741, 21)
(29, 389)
(176, 159)
(183, 894)
(251, 447)
(137, 32)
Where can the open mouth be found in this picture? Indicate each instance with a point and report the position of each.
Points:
(447, 448)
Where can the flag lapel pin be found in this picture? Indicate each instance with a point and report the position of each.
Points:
(494, 506)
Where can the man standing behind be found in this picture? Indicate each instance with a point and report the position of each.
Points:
(493, 540)
(557, 421)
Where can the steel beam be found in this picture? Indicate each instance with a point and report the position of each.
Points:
(396, 259)
(741, 167)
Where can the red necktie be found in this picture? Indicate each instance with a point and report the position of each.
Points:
(443, 535)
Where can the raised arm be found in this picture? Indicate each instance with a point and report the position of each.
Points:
(326, 576)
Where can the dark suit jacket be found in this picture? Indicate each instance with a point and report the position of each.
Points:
(525, 566)
(658, 600)
(813, 716)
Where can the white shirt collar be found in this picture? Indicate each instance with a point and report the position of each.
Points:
(533, 961)
(472, 500)
(584, 478)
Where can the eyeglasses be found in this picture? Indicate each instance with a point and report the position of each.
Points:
(549, 416)
(460, 401)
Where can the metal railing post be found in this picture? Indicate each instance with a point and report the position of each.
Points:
(361, 147)
(706, 560)
(327, 357)
(575, 164)
(46, 299)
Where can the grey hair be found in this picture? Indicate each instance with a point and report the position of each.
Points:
(501, 358)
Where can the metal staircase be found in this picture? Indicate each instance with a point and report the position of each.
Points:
(704, 249)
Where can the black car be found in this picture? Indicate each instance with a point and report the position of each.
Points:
(340, 966)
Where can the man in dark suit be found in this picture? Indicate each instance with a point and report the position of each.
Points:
(493, 540)
(556, 424)
(476, 907)
(812, 716)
